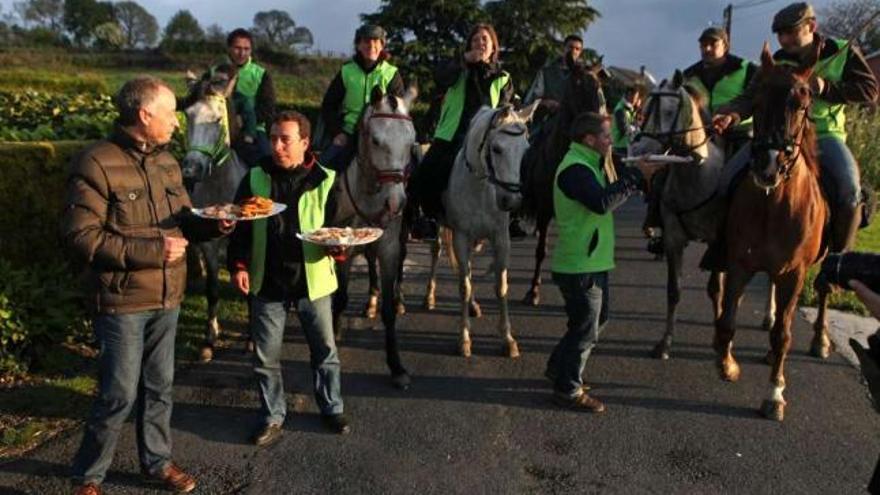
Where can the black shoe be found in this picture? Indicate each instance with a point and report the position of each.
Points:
(267, 434)
(516, 232)
(655, 245)
(337, 423)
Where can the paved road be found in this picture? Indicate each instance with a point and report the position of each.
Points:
(485, 425)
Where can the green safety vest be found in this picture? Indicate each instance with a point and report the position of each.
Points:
(320, 268)
(358, 86)
(725, 90)
(250, 75)
(586, 238)
(453, 104)
(619, 136)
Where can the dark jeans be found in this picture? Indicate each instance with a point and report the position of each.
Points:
(432, 176)
(267, 329)
(338, 157)
(135, 367)
(252, 153)
(586, 304)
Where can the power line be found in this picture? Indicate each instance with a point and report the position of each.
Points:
(753, 3)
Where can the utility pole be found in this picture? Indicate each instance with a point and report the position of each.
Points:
(728, 14)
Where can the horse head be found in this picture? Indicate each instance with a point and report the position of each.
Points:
(385, 143)
(207, 126)
(496, 142)
(583, 91)
(674, 122)
(784, 133)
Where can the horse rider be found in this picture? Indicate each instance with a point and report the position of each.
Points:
(279, 272)
(625, 123)
(718, 77)
(584, 197)
(350, 91)
(841, 77)
(549, 83)
(474, 80)
(127, 217)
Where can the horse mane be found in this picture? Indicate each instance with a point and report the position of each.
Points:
(699, 100)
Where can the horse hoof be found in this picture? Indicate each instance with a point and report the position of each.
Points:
(511, 349)
(401, 381)
(464, 348)
(400, 309)
(821, 348)
(531, 299)
(206, 354)
(768, 323)
(429, 304)
(730, 371)
(662, 351)
(772, 409)
(475, 311)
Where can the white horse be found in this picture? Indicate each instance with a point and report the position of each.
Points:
(372, 192)
(212, 171)
(484, 187)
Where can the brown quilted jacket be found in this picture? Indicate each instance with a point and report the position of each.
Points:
(122, 198)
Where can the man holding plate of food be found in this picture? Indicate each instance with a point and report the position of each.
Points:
(271, 264)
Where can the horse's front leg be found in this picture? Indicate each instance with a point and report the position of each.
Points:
(770, 308)
(715, 291)
(788, 287)
(821, 345)
(431, 289)
(533, 296)
(212, 293)
(735, 282)
(399, 297)
(389, 260)
(674, 261)
(502, 260)
(373, 295)
(461, 244)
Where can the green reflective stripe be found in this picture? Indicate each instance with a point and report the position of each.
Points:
(358, 87)
(453, 104)
(585, 242)
(830, 118)
(250, 76)
(320, 268)
(619, 137)
(725, 90)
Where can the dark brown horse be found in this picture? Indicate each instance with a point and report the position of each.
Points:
(776, 219)
(583, 93)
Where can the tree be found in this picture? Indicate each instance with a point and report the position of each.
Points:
(844, 20)
(183, 27)
(81, 17)
(531, 31)
(109, 35)
(423, 32)
(43, 13)
(138, 27)
(276, 30)
(215, 34)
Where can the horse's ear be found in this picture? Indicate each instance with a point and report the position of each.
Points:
(677, 79)
(376, 96)
(191, 79)
(230, 86)
(767, 61)
(526, 113)
(412, 92)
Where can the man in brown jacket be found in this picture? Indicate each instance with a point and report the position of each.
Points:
(127, 217)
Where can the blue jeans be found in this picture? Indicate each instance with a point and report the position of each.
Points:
(267, 329)
(586, 304)
(135, 367)
(839, 172)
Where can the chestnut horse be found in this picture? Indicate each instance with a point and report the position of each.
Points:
(776, 218)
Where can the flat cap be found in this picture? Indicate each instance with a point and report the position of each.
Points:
(587, 123)
(369, 31)
(714, 33)
(792, 16)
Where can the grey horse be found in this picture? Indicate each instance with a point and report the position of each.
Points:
(484, 187)
(692, 206)
(371, 192)
(212, 171)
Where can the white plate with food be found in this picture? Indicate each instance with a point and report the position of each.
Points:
(253, 208)
(341, 236)
(659, 159)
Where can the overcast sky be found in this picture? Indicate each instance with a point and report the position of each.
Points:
(660, 34)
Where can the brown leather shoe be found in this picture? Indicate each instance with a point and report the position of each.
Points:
(87, 489)
(175, 479)
(267, 434)
(582, 402)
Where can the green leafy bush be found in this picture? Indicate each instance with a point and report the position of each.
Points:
(37, 116)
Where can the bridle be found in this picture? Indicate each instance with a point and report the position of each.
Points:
(382, 176)
(788, 144)
(491, 175)
(219, 152)
(672, 140)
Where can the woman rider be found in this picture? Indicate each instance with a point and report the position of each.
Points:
(474, 80)
(350, 91)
